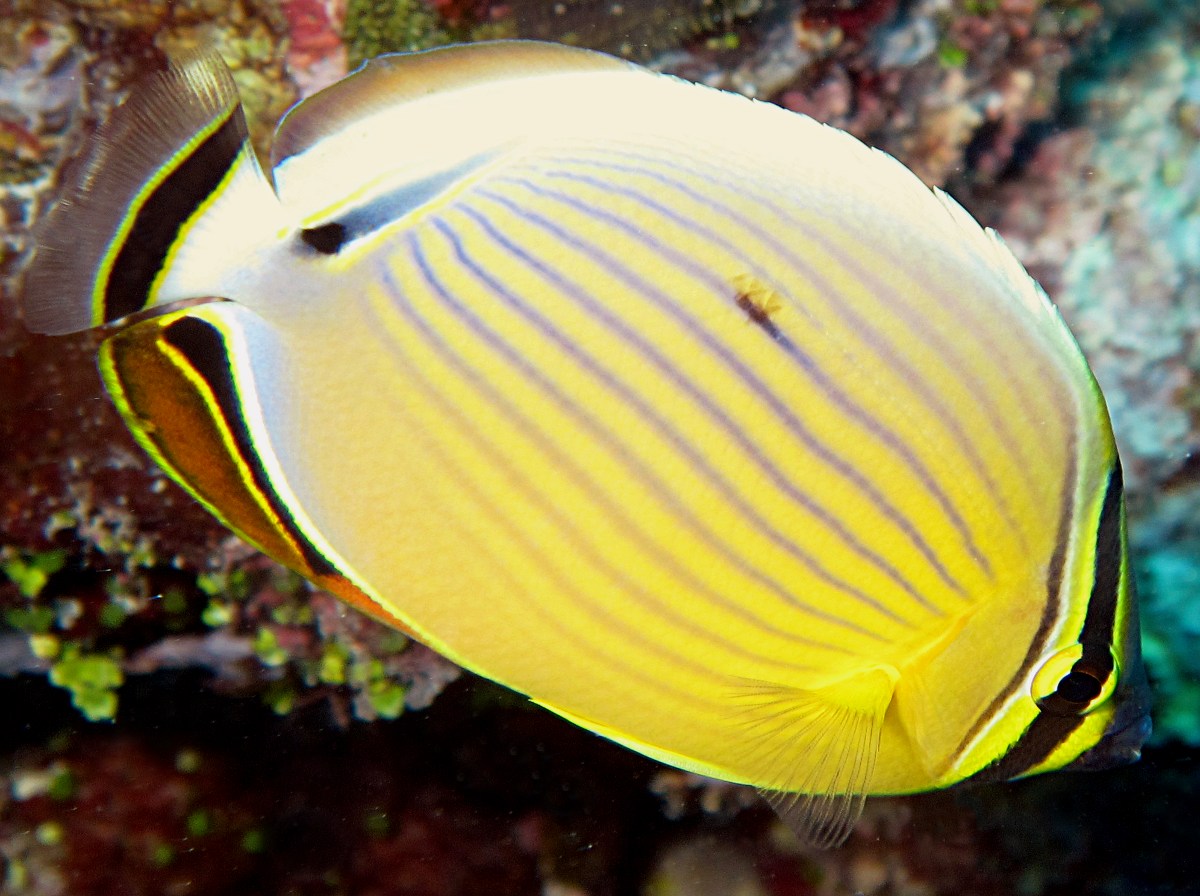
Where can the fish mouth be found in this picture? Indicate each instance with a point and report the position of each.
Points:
(1121, 746)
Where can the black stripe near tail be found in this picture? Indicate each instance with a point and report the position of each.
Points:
(145, 174)
(158, 220)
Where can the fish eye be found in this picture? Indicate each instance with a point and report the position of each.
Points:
(1066, 684)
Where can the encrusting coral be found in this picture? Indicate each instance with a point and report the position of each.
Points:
(112, 579)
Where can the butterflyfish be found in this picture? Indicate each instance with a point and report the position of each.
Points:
(696, 421)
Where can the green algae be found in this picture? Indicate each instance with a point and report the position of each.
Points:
(162, 855)
(31, 571)
(390, 26)
(33, 620)
(199, 823)
(331, 668)
(384, 695)
(63, 786)
(635, 30)
(268, 649)
(281, 697)
(254, 841)
(92, 680)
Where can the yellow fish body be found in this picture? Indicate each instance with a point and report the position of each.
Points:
(697, 421)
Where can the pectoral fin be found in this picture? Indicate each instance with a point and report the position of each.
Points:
(816, 749)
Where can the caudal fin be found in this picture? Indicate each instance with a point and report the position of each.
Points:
(105, 249)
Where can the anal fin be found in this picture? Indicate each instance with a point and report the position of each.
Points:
(814, 750)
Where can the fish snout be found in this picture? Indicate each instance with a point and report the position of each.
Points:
(1122, 746)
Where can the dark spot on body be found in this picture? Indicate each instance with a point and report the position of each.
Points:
(755, 311)
(327, 239)
(760, 303)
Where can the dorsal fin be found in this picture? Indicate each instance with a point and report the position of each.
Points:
(1042, 313)
(149, 168)
(392, 79)
(818, 747)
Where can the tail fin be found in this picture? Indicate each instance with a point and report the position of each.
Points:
(104, 251)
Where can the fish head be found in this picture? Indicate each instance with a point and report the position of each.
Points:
(1093, 695)
(1127, 722)
(1085, 700)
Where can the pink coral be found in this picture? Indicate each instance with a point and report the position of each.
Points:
(316, 55)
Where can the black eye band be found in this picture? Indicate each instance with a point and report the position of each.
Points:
(1061, 712)
(1100, 622)
(1076, 691)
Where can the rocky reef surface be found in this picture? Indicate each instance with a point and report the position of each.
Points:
(268, 739)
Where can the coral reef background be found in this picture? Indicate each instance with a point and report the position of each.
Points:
(185, 717)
